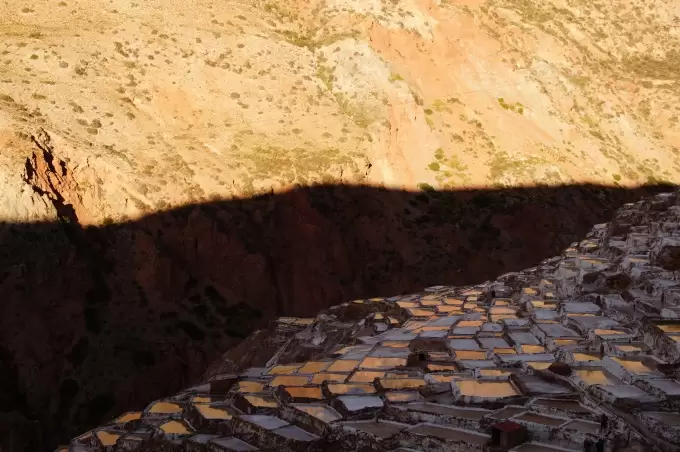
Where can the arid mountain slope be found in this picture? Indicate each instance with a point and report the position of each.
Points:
(157, 104)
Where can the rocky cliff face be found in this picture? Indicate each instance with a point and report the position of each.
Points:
(99, 319)
(49, 178)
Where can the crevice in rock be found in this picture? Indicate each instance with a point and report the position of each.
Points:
(42, 176)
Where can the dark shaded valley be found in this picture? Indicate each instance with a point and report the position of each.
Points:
(98, 320)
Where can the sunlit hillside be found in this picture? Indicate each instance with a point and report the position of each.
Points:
(157, 104)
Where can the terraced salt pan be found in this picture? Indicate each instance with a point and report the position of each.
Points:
(540, 447)
(265, 422)
(552, 413)
(484, 389)
(295, 433)
(596, 377)
(234, 444)
(380, 429)
(449, 434)
(358, 403)
(319, 411)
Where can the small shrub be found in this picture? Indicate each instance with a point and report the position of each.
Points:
(417, 98)
(517, 107)
(597, 134)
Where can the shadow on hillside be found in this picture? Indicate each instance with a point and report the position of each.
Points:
(104, 319)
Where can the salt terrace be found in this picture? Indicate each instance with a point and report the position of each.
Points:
(584, 345)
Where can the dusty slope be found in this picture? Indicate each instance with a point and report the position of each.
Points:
(156, 103)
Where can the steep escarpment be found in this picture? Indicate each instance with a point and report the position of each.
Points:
(99, 319)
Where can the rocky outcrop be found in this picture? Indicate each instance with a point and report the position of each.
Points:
(18, 434)
(49, 176)
(19, 431)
